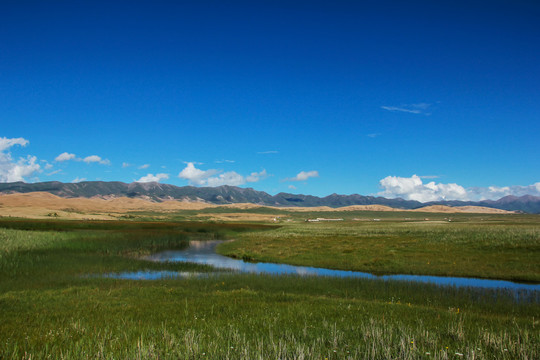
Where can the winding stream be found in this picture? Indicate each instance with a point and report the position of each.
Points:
(203, 252)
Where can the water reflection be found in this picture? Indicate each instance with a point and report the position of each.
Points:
(154, 275)
(203, 252)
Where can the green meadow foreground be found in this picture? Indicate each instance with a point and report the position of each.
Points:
(53, 303)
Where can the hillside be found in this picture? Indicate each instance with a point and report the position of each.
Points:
(223, 195)
(45, 205)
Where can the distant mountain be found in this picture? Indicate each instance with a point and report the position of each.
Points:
(526, 203)
(232, 194)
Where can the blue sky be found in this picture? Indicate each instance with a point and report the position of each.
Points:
(420, 99)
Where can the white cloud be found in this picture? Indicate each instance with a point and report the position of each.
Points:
(395, 108)
(304, 175)
(16, 171)
(496, 192)
(229, 178)
(54, 172)
(153, 178)
(145, 166)
(420, 108)
(225, 161)
(254, 176)
(96, 159)
(414, 189)
(196, 176)
(6, 143)
(78, 179)
(92, 158)
(292, 187)
(214, 177)
(10, 170)
(125, 164)
(64, 157)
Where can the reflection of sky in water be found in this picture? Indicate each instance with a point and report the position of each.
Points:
(153, 275)
(203, 252)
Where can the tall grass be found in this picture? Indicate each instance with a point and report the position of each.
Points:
(49, 309)
(261, 317)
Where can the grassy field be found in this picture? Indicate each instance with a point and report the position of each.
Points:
(499, 247)
(51, 308)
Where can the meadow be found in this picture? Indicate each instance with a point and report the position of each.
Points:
(55, 304)
(496, 247)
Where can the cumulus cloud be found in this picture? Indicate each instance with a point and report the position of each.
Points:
(196, 176)
(256, 176)
(304, 175)
(145, 166)
(6, 143)
(413, 188)
(215, 177)
(65, 156)
(92, 158)
(496, 192)
(153, 178)
(78, 179)
(11, 170)
(16, 171)
(96, 159)
(229, 178)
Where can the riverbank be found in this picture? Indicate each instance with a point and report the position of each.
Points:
(204, 252)
(507, 248)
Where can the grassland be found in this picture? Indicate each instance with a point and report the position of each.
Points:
(51, 308)
(498, 247)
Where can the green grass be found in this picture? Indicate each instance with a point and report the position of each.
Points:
(502, 248)
(50, 309)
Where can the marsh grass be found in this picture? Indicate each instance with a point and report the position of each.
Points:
(48, 309)
(250, 317)
(503, 250)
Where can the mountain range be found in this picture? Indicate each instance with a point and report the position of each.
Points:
(231, 194)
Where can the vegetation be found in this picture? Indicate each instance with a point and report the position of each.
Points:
(500, 247)
(53, 306)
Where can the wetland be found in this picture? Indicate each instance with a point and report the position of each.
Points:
(229, 315)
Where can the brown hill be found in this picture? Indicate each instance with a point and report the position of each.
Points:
(45, 205)
(461, 209)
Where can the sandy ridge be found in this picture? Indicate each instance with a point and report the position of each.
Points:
(42, 204)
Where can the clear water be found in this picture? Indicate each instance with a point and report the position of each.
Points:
(154, 275)
(203, 252)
